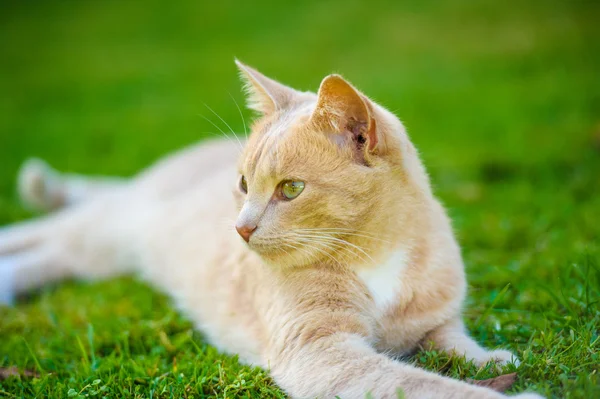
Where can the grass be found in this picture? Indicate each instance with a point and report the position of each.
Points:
(502, 99)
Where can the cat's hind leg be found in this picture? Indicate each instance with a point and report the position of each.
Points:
(24, 271)
(91, 241)
(42, 188)
(30, 255)
(20, 236)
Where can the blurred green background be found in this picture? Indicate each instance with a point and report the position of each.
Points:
(501, 97)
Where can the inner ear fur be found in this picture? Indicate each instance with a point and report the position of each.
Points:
(344, 110)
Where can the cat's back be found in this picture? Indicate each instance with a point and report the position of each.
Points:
(187, 168)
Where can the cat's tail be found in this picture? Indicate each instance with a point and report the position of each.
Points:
(42, 188)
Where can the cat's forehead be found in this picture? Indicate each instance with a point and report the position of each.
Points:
(275, 143)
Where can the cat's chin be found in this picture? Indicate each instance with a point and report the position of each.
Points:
(277, 260)
(274, 257)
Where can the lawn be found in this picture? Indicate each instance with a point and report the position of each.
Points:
(501, 98)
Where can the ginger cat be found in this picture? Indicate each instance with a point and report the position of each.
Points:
(342, 252)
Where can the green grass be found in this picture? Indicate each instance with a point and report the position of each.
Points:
(502, 99)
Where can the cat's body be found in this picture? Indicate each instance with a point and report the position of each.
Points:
(322, 288)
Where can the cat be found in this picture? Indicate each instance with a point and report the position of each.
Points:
(342, 263)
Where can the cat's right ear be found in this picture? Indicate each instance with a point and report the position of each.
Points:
(264, 95)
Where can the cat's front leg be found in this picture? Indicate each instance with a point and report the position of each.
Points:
(453, 338)
(344, 365)
(320, 346)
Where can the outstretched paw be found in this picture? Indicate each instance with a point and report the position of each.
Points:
(500, 357)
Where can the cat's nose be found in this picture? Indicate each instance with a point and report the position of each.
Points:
(245, 231)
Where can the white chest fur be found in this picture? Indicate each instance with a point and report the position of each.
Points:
(384, 280)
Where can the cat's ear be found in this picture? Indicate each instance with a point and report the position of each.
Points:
(342, 109)
(264, 94)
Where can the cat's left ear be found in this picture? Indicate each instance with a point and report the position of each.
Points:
(265, 95)
(342, 109)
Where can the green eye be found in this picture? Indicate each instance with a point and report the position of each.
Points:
(244, 185)
(291, 189)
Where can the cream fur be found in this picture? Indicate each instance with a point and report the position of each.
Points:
(363, 262)
(385, 280)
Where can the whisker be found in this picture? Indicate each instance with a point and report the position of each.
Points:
(338, 249)
(329, 244)
(241, 115)
(297, 248)
(226, 124)
(220, 135)
(331, 238)
(339, 229)
(342, 231)
(318, 249)
(348, 254)
(241, 149)
(281, 248)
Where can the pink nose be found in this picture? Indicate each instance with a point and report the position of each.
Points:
(245, 231)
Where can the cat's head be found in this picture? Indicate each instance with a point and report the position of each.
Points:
(327, 177)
